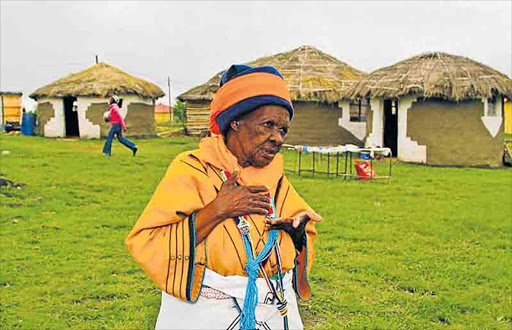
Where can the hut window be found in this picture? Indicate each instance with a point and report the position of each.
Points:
(359, 110)
(493, 107)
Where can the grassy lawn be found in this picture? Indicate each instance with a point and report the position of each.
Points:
(431, 250)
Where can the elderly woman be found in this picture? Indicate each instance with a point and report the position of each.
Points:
(225, 235)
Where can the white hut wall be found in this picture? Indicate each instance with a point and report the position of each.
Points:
(94, 109)
(409, 149)
(45, 112)
(375, 133)
(90, 116)
(55, 125)
(357, 128)
(369, 124)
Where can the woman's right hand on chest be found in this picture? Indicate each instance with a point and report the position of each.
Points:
(234, 200)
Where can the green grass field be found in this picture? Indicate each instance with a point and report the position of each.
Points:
(431, 250)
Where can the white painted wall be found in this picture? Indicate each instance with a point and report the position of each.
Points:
(408, 150)
(358, 129)
(56, 126)
(87, 129)
(492, 122)
(376, 137)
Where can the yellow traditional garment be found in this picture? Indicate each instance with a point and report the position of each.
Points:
(163, 239)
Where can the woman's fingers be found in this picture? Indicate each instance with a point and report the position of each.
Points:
(271, 227)
(305, 216)
(258, 198)
(302, 217)
(314, 216)
(297, 221)
(257, 189)
(274, 227)
(258, 210)
(263, 198)
(277, 223)
(260, 204)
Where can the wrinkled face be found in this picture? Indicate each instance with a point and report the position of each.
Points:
(261, 134)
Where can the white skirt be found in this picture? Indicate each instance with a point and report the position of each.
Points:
(222, 314)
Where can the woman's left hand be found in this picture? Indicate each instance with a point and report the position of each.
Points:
(295, 227)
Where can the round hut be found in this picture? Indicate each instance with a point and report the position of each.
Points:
(74, 105)
(316, 82)
(436, 108)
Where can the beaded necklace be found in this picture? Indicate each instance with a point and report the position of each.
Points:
(255, 265)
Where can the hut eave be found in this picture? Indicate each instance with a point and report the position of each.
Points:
(100, 80)
(435, 74)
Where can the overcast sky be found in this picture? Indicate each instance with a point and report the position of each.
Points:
(191, 41)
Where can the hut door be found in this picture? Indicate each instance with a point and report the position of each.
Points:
(71, 117)
(391, 125)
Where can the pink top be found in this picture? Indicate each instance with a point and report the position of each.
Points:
(115, 115)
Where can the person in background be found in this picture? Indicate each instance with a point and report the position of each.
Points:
(118, 127)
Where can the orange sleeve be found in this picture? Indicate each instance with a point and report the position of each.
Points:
(163, 239)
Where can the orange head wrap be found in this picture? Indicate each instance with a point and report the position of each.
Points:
(244, 89)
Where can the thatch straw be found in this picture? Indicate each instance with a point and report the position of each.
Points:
(311, 76)
(100, 80)
(434, 74)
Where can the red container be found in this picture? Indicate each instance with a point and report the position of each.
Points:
(364, 170)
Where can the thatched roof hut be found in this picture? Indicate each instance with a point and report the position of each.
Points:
(316, 82)
(100, 80)
(311, 75)
(74, 105)
(437, 108)
(434, 74)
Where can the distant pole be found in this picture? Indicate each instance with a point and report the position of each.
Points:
(96, 58)
(170, 97)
